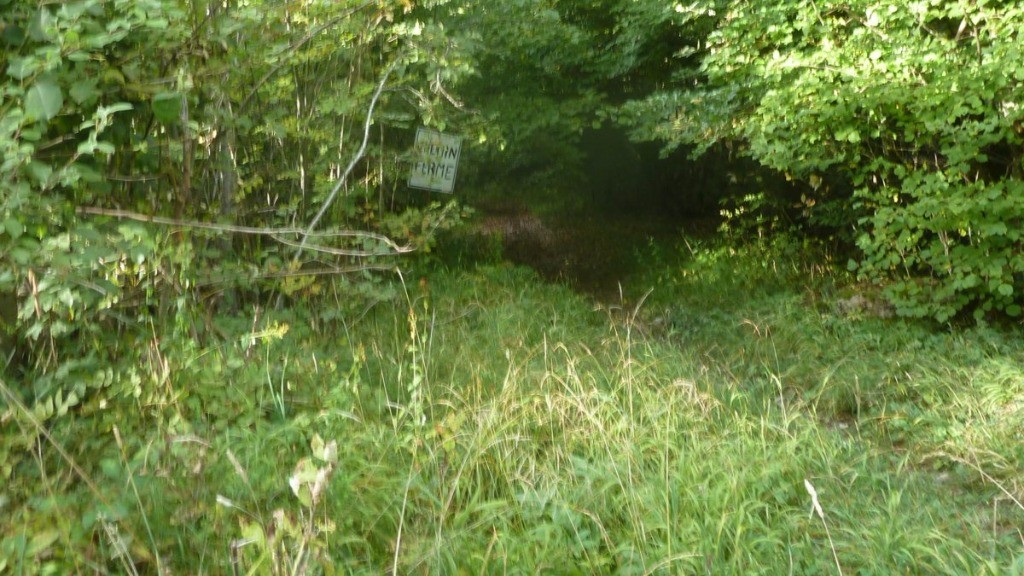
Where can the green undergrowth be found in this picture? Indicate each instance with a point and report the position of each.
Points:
(723, 417)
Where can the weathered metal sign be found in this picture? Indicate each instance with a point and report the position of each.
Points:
(435, 160)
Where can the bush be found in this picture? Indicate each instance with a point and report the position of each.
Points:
(916, 105)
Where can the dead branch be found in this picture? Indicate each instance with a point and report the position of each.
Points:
(274, 233)
(342, 251)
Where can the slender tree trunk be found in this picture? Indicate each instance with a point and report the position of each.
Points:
(186, 159)
(226, 186)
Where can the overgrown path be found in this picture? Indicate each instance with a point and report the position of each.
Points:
(591, 251)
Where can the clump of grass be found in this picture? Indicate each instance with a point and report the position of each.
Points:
(612, 452)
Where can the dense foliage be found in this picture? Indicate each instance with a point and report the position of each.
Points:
(899, 124)
(264, 137)
(903, 119)
(225, 349)
(230, 117)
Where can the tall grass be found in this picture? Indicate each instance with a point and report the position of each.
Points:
(491, 423)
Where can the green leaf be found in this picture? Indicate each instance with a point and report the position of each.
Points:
(993, 229)
(13, 35)
(14, 228)
(44, 99)
(42, 541)
(167, 106)
(115, 108)
(21, 68)
(41, 27)
(84, 91)
(848, 134)
(40, 172)
(90, 147)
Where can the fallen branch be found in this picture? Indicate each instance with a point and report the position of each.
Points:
(274, 233)
(342, 251)
(331, 271)
(326, 271)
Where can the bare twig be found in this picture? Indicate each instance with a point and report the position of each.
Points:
(328, 271)
(986, 476)
(438, 87)
(352, 164)
(818, 14)
(343, 251)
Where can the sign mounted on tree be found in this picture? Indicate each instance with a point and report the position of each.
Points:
(435, 159)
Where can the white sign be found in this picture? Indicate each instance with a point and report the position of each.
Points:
(435, 159)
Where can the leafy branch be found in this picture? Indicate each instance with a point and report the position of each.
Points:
(299, 44)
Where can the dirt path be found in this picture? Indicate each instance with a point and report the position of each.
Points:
(592, 253)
